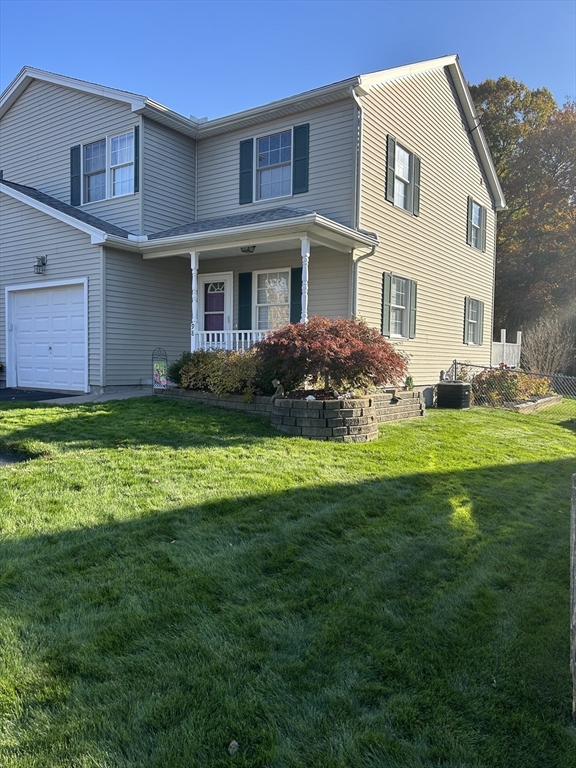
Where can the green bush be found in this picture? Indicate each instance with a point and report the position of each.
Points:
(221, 372)
(175, 367)
(503, 385)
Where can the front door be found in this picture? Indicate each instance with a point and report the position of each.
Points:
(215, 300)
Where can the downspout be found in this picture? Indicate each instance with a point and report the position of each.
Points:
(357, 160)
(357, 210)
(355, 271)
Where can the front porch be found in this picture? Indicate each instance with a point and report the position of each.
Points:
(253, 273)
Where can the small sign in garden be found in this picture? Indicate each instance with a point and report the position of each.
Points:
(159, 368)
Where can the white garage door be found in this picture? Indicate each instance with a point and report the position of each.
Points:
(50, 338)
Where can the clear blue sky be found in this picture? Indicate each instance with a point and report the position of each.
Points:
(214, 58)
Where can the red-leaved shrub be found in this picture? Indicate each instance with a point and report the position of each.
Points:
(342, 353)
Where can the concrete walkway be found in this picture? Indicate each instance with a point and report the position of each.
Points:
(30, 395)
(121, 394)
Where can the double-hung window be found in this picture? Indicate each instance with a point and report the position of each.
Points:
(402, 177)
(476, 230)
(94, 163)
(399, 296)
(473, 321)
(272, 299)
(104, 169)
(274, 165)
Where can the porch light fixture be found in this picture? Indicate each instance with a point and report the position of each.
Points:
(247, 248)
(41, 262)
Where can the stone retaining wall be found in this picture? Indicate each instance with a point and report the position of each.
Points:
(345, 421)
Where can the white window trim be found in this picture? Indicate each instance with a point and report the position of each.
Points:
(477, 229)
(255, 304)
(255, 197)
(476, 323)
(109, 168)
(405, 309)
(409, 182)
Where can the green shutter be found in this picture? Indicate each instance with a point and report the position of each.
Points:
(413, 297)
(386, 291)
(466, 316)
(390, 168)
(245, 301)
(75, 176)
(416, 184)
(246, 171)
(300, 164)
(469, 222)
(483, 229)
(480, 323)
(296, 294)
(136, 158)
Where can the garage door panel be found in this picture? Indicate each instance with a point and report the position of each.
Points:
(50, 347)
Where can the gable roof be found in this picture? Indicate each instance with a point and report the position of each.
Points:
(92, 225)
(205, 234)
(358, 85)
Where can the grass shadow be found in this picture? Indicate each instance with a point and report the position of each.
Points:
(419, 620)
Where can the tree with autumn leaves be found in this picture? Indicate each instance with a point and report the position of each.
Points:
(533, 144)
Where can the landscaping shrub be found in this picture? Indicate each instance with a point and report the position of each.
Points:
(175, 367)
(341, 353)
(503, 385)
(221, 372)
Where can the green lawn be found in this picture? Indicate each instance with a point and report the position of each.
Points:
(174, 577)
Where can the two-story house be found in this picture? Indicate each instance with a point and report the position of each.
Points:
(126, 226)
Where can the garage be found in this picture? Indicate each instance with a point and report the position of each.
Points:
(47, 337)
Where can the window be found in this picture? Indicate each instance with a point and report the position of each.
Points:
(403, 177)
(275, 165)
(95, 171)
(473, 321)
(476, 231)
(398, 306)
(105, 168)
(272, 299)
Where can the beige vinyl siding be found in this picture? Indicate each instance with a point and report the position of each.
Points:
(331, 169)
(26, 234)
(422, 114)
(169, 168)
(328, 276)
(148, 305)
(36, 135)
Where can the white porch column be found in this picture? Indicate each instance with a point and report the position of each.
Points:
(194, 323)
(305, 251)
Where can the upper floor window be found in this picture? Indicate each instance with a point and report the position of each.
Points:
(398, 306)
(402, 177)
(476, 230)
(105, 168)
(275, 165)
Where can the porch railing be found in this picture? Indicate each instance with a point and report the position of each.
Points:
(239, 341)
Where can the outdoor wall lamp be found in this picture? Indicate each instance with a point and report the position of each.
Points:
(247, 248)
(41, 262)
